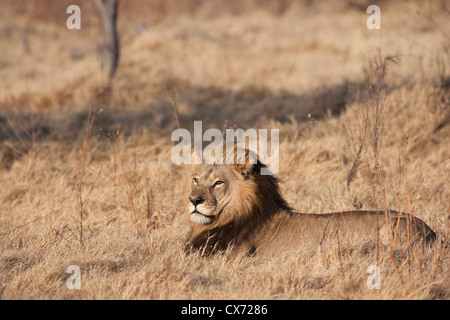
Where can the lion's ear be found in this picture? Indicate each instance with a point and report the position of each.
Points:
(246, 170)
(247, 173)
(246, 162)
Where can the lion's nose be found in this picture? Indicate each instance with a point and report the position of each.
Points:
(196, 201)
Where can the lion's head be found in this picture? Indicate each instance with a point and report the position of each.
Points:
(232, 197)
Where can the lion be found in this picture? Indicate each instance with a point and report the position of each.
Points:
(232, 207)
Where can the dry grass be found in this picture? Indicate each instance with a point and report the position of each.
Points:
(85, 166)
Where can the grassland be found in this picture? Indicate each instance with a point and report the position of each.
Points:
(85, 164)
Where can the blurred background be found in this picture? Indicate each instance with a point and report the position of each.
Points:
(242, 62)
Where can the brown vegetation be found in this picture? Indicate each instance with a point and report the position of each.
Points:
(85, 165)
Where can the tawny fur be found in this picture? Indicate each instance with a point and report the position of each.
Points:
(257, 220)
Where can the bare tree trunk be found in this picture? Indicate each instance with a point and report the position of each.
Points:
(110, 50)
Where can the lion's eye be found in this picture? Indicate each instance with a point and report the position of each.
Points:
(195, 180)
(218, 183)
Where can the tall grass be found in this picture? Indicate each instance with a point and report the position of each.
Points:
(98, 189)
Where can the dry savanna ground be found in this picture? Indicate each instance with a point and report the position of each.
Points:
(85, 168)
